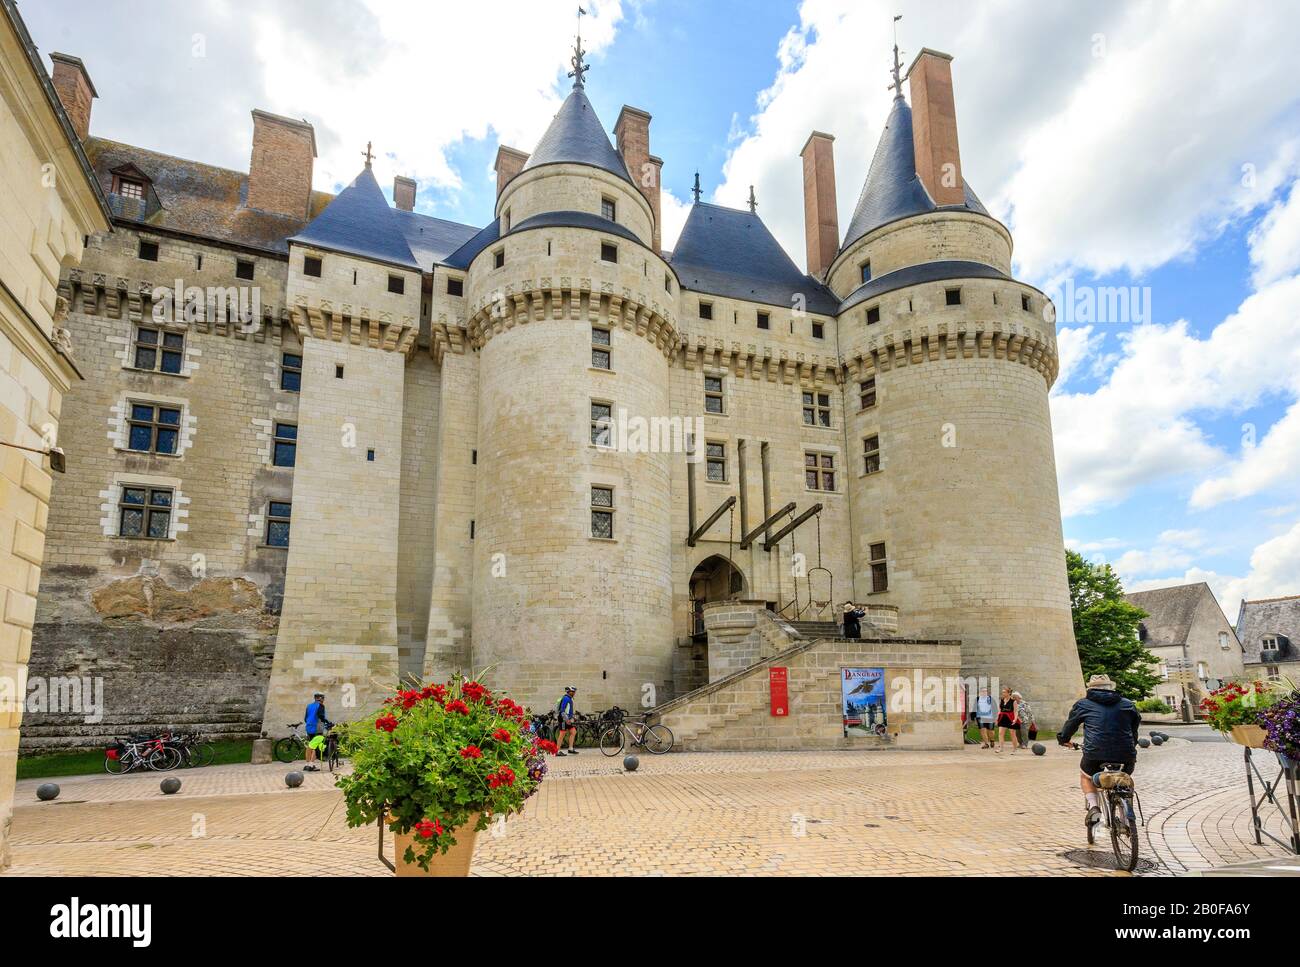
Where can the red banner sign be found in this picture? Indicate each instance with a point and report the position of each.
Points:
(777, 679)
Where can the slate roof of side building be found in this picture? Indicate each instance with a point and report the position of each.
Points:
(1270, 616)
(1170, 612)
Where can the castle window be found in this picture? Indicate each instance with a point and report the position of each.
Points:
(867, 392)
(243, 269)
(311, 266)
(370, 456)
(278, 514)
(713, 394)
(866, 271)
(819, 471)
(602, 513)
(871, 454)
(608, 209)
(764, 320)
(456, 287)
(668, 282)
(602, 420)
(145, 512)
(198, 262)
(291, 372)
(879, 569)
(952, 297)
(715, 465)
(706, 310)
(162, 352)
(819, 330)
(817, 409)
(148, 251)
(499, 258)
(128, 188)
(873, 315)
(505, 221)
(1025, 304)
(599, 348)
(338, 370)
(153, 429)
(286, 445)
(396, 285)
(608, 252)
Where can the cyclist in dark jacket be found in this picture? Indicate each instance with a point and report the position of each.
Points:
(1110, 732)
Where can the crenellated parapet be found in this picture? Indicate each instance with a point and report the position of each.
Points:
(358, 325)
(773, 364)
(532, 301)
(994, 339)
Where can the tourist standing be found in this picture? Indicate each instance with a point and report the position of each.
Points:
(1028, 728)
(566, 712)
(853, 616)
(316, 722)
(985, 715)
(1008, 720)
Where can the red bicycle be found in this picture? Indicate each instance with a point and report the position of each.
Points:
(153, 754)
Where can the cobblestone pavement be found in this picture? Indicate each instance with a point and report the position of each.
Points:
(893, 813)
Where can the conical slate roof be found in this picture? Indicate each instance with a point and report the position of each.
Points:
(359, 222)
(576, 136)
(893, 190)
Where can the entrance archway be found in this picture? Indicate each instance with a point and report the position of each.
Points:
(714, 579)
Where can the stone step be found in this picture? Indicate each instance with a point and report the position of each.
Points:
(816, 629)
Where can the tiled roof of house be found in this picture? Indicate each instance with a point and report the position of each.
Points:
(1271, 617)
(1170, 612)
(731, 253)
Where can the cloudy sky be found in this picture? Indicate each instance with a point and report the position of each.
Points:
(1151, 149)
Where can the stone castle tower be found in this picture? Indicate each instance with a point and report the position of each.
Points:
(417, 459)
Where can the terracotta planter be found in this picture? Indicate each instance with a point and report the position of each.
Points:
(1249, 735)
(455, 862)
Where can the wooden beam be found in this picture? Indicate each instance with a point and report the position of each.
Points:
(772, 541)
(748, 539)
(700, 531)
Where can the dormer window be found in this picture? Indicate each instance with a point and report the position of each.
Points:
(129, 182)
(128, 188)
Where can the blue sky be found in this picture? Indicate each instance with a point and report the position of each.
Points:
(1154, 145)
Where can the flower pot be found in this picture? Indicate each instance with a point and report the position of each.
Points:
(1249, 735)
(455, 862)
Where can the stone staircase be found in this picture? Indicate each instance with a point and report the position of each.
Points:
(815, 629)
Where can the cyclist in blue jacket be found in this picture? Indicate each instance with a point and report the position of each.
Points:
(565, 711)
(316, 722)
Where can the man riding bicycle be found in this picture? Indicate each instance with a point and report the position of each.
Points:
(1110, 733)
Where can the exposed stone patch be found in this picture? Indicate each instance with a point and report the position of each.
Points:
(142, 598)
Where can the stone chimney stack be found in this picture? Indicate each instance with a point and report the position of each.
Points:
(632, 132)
(509, 163)
(72, 84)
(821, 223)
(934, 127)
(404, 193)
(279, 172)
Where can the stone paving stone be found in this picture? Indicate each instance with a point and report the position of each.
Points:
(966, 812)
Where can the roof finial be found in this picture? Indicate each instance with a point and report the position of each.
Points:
(579, 68)
(368, 154)
(753, 202)
(696, 190)
(898, 66)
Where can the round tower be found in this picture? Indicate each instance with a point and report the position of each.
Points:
(955, 508)
(572, 313)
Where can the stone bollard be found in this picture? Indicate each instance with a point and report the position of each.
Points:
(262, 751)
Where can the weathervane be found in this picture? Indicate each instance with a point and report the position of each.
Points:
(753, 202)
(696, 190)
(368, 155)
(898, 66)
(579, 68)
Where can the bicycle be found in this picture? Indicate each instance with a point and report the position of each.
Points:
(332, 750)
(655, 739)
(292, 747)
(194, 752)
(1118, 795)
(149, 753)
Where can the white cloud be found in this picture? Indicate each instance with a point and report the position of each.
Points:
(1275, 240)
(1173, 549)
(672, 216)
(1273, 462)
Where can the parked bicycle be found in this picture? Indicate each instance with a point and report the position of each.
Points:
(293, 746)
(655, 739)
(149, 752)
(194, 751)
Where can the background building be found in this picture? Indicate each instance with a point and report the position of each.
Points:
(1185, 624)
(1269, 630)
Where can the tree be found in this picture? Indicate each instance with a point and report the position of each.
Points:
(1106, 628)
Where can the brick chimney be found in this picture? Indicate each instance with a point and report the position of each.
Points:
(279, 172)
(509, 163)
(72, 84)
(821, 224)
(632, 132)
(934, 127)
(404, 193)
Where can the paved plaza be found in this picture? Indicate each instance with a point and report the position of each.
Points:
(792, 813)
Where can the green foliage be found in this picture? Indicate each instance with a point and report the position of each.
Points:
(1156, 705)
(55, 764)
(430, 758)
(1106, 628)
(1237, 704)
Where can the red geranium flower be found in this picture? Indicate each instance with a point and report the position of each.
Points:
(546, 745)
(386, 722)
(471, 752)
(502, 735)
(458, 706)
(505, 776)
(474, 691)
(428, 828)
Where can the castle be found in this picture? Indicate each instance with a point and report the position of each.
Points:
(324, 441)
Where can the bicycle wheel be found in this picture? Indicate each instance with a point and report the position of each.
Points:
(658, 739)
(163, 760)
(205, 754)
(611, 741)
(288, 749)
(1123, 833)
(115, 767)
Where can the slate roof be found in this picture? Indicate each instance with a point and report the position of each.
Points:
(1170, 612)
(192, 198)
(576, 136)
(892, 189)
(463, 256)
(1270, 616)
(431, 240)
(916, 274)
(360, 222)
(730, 253)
